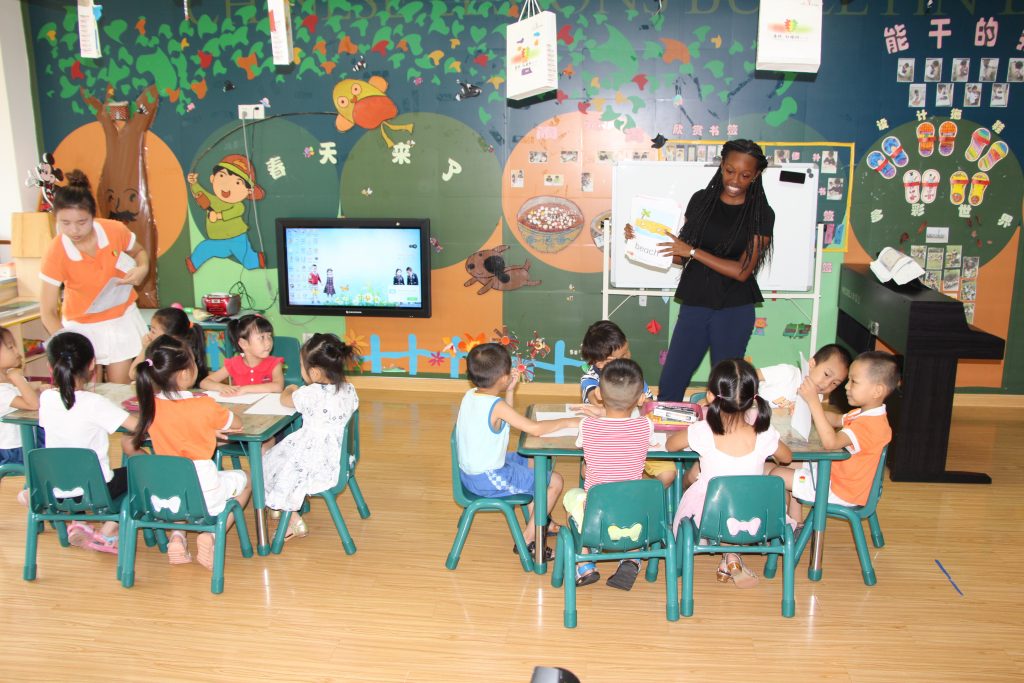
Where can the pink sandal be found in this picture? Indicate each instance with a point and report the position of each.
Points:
(80, 535)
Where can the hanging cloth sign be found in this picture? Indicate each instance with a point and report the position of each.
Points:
(280, 31)
(531, 53)
(789, 35)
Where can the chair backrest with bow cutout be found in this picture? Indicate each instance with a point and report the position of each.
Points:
(744, 509)
(876, 487)
(166, 488)
(67, 480)
(624, 515)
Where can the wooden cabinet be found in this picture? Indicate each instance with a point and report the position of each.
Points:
(28, 325)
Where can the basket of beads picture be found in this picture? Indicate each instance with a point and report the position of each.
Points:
(549, 224)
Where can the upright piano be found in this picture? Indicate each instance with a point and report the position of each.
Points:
(930, 332)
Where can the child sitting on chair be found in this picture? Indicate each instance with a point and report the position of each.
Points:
(829, 367)
(603, 343)
(864, 431)
(615, 449)
(486, 467)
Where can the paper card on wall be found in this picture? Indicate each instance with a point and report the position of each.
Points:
(280, 31)
(936, 235)
(88, 30)
(653, 219)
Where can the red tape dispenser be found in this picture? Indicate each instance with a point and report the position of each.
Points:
(671, 416)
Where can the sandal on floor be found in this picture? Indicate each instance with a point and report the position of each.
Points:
(296, 529)
(741, 576)
(586, 574)
(206, 543)
(103, 544)
(80, 535)
(625, 576)
(177, 549)
(723, 574)
(531, 548)
(552, 529)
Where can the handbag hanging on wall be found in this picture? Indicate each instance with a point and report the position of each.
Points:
(531, 53)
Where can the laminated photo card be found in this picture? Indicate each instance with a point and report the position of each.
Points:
(653, 220)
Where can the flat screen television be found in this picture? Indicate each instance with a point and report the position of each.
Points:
(354, 266)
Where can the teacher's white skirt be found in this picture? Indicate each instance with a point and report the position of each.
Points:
(113, 340)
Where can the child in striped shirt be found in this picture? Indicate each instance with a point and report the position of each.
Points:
(614, 448)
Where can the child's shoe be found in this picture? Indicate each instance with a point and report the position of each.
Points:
(80, 535)
(103, 544)
(625, 576)
(177, 549)
(296, 528)
(586, 574)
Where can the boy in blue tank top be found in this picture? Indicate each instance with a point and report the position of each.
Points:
(486, 466)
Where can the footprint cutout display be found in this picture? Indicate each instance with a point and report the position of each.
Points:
(979, 181)
(878, 162)
(892, 146)
(929, 185)
(957, 185)
(947, 138)
(979, 141)
(912, 186)
(996, 152)
(926, 138)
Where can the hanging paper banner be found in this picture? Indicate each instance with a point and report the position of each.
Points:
(531, 46)
(88, 30)
(280, 31)
(789, 35)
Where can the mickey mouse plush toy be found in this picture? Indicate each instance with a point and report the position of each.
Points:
(45, 176)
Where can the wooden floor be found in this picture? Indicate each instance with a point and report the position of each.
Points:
(392, 612)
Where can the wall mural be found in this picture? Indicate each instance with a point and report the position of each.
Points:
(398, 109)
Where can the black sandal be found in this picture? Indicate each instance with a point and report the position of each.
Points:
(625, 576)
(531, 548)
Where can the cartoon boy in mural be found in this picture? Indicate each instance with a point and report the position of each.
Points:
(233, 181)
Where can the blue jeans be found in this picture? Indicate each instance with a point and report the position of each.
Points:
(725, 330)
(237, 246)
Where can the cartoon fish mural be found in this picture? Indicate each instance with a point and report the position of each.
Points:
(365, 104)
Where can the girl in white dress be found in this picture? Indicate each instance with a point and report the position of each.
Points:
(734, 439)
(307, 461)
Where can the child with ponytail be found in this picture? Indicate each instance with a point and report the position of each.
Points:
(180, 423)
(74, 417)
(175, 322)
(735, 438)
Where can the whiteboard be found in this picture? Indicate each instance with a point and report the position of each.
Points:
(791, 268)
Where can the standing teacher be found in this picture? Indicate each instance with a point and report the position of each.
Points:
(87, 254)
(725, 239)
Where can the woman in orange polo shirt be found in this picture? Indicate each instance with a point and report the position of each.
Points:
(91, 257)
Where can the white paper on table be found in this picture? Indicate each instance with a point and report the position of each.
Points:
(659, 442)
(244, 399)
(568, 431)
(113, 294)
(6, 411)
(557, 415)
(270, 404)
(801, 420)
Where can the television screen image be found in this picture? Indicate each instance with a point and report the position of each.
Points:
(347, 266)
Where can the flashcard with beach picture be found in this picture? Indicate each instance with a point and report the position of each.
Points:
(652, 218)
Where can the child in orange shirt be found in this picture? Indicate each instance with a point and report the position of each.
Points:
(179, 423)
(863, 431)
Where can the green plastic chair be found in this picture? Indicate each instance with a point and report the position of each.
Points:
(856, 516)
(346, 477)
(472, 504)
(625, 520)
(682, 466)
(288, 348)
(164, 494)
(53, 474)
(749, 511)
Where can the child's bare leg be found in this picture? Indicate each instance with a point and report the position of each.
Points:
(794, 508)
(554, 494)
(667, 477)
(207, 540)
(691, 475)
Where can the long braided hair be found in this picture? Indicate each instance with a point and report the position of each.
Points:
(751, 216)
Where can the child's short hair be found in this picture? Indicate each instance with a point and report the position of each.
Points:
(830, 351)
(622, 384)
(244, 327)
(602, 339)
(487, 363)
(882, 369)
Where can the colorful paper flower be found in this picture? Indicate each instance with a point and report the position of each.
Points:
(506, 338)
(525, 368)
(449, 347)
(308, 152)
(356, 341)
(436, 358)
(654, 327)
(538, 347)
(470, 342)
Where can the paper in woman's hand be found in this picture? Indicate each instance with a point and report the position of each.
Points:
(652, 220)
(113, 294)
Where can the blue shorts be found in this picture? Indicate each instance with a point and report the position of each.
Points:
(515, 476)
(12, 456)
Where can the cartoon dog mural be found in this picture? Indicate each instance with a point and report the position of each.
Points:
(488, 269)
